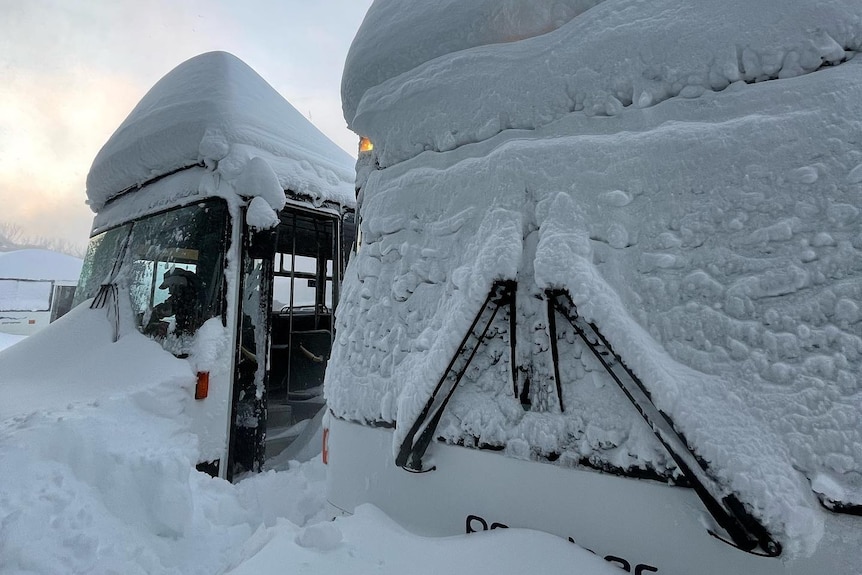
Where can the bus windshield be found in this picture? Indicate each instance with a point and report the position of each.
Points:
(171, 264)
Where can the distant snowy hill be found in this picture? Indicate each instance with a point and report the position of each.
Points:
(38, 264)
(17, 241)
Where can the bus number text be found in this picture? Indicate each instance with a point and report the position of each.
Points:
(474, 524)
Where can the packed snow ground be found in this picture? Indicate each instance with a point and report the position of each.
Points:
(97, 477)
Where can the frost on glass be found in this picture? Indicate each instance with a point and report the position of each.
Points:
(102, 259)
(171, 265)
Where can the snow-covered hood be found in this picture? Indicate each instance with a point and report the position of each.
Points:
(688, 171)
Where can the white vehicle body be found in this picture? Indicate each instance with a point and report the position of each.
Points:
(603, 248)
(36, 288)
(642, 526)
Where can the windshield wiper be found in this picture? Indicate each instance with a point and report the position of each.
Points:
(412, 448)
(109, 291)
(744, 530)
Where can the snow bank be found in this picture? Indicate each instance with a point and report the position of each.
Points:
(98, 477)
(214, 110)
(687, 172)
(371, 542)
(77, 362)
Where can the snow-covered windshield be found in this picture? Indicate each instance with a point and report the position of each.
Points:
(171, 263)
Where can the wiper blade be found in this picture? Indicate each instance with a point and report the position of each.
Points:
(412, 448)
(745, 531)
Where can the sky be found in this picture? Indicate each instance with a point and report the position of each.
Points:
(70, 72)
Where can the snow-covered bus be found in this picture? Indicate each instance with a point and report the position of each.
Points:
(608, 281)
(221, 217)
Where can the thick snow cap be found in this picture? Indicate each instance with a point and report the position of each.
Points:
(215, 110)
(392, 40)
(689, 171)
(518, 64)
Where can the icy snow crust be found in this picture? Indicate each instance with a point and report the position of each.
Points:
(216, 111)
(707, 220)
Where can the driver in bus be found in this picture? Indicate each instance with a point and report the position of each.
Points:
(183, 303)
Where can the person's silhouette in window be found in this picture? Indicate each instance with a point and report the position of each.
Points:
(183, 304)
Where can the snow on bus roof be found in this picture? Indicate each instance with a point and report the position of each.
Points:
(215, 110)
(36, 264)
(688, 170)
(616, 54)
(392, 40)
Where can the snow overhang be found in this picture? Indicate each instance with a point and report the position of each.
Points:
(396, 37)
(411, 89)
(215, 111)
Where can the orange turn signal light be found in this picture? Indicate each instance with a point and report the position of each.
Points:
(202, 388)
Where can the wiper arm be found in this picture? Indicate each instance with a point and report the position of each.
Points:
(745, 531)
(412, 448)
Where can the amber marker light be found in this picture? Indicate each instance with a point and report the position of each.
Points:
(202, 387)
(365, 145)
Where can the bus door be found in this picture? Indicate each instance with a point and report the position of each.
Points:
(306, 276)
(290, 279)
(251, 374)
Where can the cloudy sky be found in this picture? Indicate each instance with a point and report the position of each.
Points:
(72, 70)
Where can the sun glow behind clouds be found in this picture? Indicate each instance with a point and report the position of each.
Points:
(61, 99)
(51, 126)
